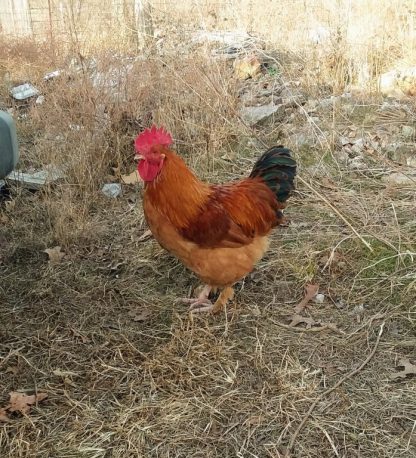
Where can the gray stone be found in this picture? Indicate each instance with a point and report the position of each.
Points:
(408, 131)
(24, 91)
(38, 178)
(112, 190)
(403, 153)
(257, 115)
(398, 178)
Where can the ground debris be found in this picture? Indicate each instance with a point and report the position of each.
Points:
(139, 314)
(408, 369)
(298, 319)
(400, 178)
(38, 178)
(247, 67)
(310, 292)
(112, 190)
(55, 254)
(145, 236)
(21, 403)
(255, 115)
(24, 91)
(131, 178)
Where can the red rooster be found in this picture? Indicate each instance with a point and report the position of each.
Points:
(217, 231)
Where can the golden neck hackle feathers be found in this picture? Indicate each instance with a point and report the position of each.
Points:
(176, 192)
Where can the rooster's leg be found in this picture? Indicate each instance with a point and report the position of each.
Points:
(202, 298)
(226, 295)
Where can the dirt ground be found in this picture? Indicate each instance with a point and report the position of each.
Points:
(127, 371)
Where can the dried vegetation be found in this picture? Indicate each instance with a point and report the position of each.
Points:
(92, 320)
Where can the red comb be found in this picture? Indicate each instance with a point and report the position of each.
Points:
(152, 137)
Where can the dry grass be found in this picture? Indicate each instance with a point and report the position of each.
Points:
(237, 385)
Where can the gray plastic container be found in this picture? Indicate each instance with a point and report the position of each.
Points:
(9, 153)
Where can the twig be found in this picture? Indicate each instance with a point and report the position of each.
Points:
(330, 390)
(320, 327)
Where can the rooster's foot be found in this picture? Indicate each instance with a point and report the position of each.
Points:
(208, 307)
(202, 298)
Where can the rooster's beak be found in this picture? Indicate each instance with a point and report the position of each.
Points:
(138, 157)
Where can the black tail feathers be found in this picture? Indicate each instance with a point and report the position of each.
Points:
(278, 170)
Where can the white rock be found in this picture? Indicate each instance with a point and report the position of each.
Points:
(112, 190)
(52, 75)
(319, 298)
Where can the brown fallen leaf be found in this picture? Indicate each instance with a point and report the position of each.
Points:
(146, 235)
(131, 178)
(313, 325)
(69, 382)
(310, 292)
(55, 254)
(409, 369)
(116, 171)
(20, 402)
(12, 369)
(297, 319)
(140, 314)
(3, 415)
(328, 183)
(255, 420)
(4, 219)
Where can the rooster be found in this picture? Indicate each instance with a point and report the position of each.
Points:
(218, 231)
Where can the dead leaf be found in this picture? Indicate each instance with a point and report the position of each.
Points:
(310, 292)
(328, 183)
(83, 338)
(132, 178)
(247, 67)
(20, 402)
(4, 219)
(12, 369)
(255, 420)
(69, 382)
(297, 319)
(116, 171)
(3, 415)
(409, 369)
(140, 315)
(55, 254)
(146, 235)
(313, 325)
